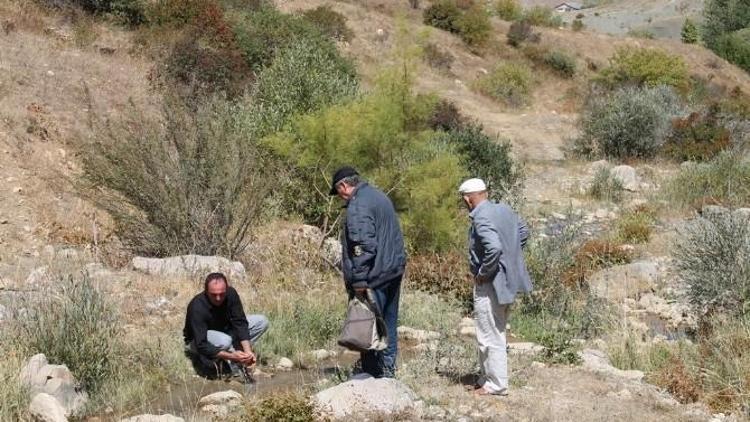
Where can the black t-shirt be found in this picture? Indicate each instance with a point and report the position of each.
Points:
(202, 316)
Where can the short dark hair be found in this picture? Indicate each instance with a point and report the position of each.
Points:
(353, 180)
(214, 276)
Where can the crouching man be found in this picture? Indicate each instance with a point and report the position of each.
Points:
(217, 330)
(496, 238)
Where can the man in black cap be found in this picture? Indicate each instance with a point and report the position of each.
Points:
(373, 258)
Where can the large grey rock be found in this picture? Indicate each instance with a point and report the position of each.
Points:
(189, 266)
(597, 361)
(365, 396)
(628, 177)
(622, 281)
(221, 404)
(153, 418)
(45, 408)
(332, 251)
(741, 213)
(55, 380)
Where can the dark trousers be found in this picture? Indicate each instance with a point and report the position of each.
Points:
(383, 363)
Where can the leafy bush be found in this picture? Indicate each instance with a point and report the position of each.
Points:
(185, 182)
(77, 326)
(385, 136)
(641, 33)
(542, 16)
(487, 159)
(520, 32)
(689, 33)
(509, 83)
(698, 137)
(508, 10)
(577, 25)
(561, 62)
(442, 14)
(735, 47)
(445, 274)
(474, 26)
(629, 123)
(446, 117)
(721, 18)
(724, 180)
(593, 255)
(713, 258)
(635, 226)
(329, 22)
(645, 67)
(304, 77)
(605, 186)
(437, 58)
(131, 12)
(287, 407)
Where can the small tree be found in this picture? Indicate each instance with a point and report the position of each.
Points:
(689, 32)
(508, 10)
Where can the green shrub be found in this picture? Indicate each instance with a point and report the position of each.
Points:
(713, 257)
(509, 83)
(446, 117)
(725, 180)
(689, 33)
(561, 62)
(735, 47)
(721, 17)
(577, 25)
(329, 22)
(183, 182)
(641, 33)
(445, 274)
(542, 16)
(474, 26)
(629, 123)
(487, 159)
(605, 186)
(175, 13)
(263, 33)
(520, 32)
(304, 77)
(75, 325)
(288, 407)
(645, 66)
(635, 226)
(697, 137)
(131, 12)
(442, 14)
(508, 10)
(437, 58)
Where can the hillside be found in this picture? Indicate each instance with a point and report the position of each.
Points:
(612, 332)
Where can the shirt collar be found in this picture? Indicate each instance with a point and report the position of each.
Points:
(476, 209)
(354, 193)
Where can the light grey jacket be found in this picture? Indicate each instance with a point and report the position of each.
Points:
(496, 239)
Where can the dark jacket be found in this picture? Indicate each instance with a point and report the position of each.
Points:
(496, 239)
(373, 246)
(203, 316)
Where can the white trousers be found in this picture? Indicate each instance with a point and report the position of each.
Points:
(491, 319)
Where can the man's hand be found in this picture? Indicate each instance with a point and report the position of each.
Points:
(244, 358)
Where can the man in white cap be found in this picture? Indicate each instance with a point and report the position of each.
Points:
(496, 238)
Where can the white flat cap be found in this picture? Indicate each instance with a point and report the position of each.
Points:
(472, 185)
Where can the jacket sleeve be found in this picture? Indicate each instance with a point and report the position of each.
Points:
(362, 244)
(523, 231)
(238, 319)
(490, 240)
(197, 324)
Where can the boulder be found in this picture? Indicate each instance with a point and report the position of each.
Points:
(54, 380)
(153, 418)
(45, 408)
(628, 177)
(220, 405)
(321, 355)
(597, 361)
(285, 364)
(189, 266)
(332, 251)
(623, 281)
(364, 395)
(420, 336)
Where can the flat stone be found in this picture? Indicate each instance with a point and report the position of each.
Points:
(189, 266)
(524, 348)
(45, 408)
(421, 336)
(597, 361)
(364, 396)
(622, 281)
(628, 177)
(285, 364)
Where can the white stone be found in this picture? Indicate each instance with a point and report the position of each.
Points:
(408, 333)
(38, 275)
(321, 354)
(55, 380)
(153, 418)
(622, 281)
(597, 361)
(189, 266)
(45, 408)
(220, 405)
(285, 364)
(628, 177)
(741, 213)
(364, 396)
(524, 348)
